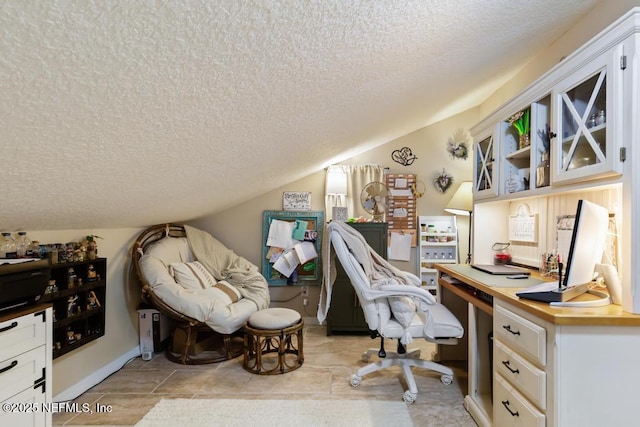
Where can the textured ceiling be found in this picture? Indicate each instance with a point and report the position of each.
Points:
(130, 113)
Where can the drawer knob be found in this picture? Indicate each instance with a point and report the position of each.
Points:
(508, 328)
(508, 365)
(6, 368)
(505, 403)
(11, 326)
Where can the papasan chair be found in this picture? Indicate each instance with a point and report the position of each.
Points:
(208, 291)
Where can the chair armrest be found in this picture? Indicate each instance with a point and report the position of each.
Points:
(386, 291)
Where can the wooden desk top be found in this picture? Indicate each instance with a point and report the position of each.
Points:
(500, 288)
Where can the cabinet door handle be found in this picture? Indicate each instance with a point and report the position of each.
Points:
(508, 365)
(11, 326)
(506, 405)
(508, 328)
(6, 368)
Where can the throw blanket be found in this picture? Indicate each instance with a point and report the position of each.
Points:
(224, 264)
(378, 270)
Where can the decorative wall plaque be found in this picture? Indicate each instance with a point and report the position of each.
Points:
(296, 200)
(523, 227)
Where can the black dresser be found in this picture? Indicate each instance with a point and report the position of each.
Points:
(345, 314)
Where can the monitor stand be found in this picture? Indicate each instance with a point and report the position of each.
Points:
(549, 292)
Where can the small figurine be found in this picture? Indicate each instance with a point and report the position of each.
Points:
(72, 305)
(70, 337)
(71, 278)
(51, 287)
(69, 251)
(92, 275)
(92, 301)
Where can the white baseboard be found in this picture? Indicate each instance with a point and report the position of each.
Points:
(96, 377)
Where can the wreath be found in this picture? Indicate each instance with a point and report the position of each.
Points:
(442, 181)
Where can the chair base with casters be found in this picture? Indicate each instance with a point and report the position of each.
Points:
(404, 358)
(395, 307)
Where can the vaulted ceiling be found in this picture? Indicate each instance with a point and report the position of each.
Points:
(130, 113)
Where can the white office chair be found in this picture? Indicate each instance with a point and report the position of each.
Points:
(395, 306)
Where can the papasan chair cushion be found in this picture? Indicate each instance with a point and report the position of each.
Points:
(199, 277)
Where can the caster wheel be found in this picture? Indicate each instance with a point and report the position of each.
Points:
(409, 397)
(446, 379)
(355, 380)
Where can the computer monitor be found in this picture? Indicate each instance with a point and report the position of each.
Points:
(587, 243)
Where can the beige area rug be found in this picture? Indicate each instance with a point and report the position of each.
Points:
(280, 413)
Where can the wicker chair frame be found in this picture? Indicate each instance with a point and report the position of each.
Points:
(188, 333)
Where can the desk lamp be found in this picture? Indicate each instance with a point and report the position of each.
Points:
(462, 204)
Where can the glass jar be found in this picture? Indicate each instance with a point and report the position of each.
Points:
(501, 254)
(23, 244)
(543, 171)
(8, 246)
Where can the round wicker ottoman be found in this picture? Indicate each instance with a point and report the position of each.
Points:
(273, 342)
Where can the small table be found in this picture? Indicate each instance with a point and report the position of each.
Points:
(273, 342)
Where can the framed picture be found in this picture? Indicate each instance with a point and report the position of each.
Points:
(296, 201)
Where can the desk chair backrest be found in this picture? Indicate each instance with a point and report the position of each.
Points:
(373, 308)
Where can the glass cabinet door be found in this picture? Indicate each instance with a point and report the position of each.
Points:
(584, 144)
(485, 181)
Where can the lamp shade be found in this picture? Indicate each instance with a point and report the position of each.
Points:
(462, 201)
(336, 181)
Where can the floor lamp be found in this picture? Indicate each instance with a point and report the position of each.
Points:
(462, 204)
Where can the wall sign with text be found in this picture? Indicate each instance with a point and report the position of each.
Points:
(296, 201)
(523, 227)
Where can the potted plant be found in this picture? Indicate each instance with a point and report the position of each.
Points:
(92, 246)
(520, 122)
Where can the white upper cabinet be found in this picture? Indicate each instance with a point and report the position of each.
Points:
(587, 105)
(564, 130)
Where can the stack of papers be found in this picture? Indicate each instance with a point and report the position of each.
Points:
(288, 260)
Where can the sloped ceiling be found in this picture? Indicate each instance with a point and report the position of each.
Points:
(130, 113)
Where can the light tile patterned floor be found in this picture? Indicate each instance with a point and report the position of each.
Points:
(329, 361)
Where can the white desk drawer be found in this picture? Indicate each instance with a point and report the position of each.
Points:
(22, 333)
(32, 399)
(521, 335)
(510, 408)
(22, 371)
(526, 378)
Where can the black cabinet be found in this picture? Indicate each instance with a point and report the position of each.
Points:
(345, 314)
